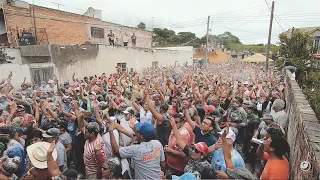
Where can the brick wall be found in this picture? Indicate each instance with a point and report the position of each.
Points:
(303, 132)
(59, 27)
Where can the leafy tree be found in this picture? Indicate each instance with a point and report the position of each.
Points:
(298, 49)
(141, 25)
(298, 45)
(4, 58)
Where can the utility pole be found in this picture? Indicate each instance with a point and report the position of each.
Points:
(207, 41)
(58, 4)
(152, 33)
(269, 38)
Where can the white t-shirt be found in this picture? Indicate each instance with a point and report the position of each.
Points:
(145, 116)
(125, 139)
(107, 142)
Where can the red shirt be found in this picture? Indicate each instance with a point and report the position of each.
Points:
(176, 162)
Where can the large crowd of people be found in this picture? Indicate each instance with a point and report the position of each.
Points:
(222, 121)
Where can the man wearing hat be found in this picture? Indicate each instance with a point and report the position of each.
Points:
(197, 154)
(37, 154)
(14, 147)
(94, 151)
(51, 86)
(146, 156)
(53, 135)
(20, 111)
(124, 122)
(218, 161)
(263, 126)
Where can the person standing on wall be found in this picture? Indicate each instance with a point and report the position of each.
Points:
(111, 38)
(133, 40)
(125, 40)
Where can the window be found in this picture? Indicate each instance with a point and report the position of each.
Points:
(123, 66)
(155, 64)
(97, 32)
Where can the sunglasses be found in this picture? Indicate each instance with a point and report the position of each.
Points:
(195, 150)
(20, 111)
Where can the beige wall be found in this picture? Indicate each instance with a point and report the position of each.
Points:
(303, 132)
(19, 72)
(107, 58)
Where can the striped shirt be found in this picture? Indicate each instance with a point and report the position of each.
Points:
(93, 163)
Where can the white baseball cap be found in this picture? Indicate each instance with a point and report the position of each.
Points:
(231, 135)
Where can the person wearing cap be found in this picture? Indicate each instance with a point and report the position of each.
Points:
(147, 156)
(124, 122)
(253, 122)
(231, 173)
(273, 150)
(9, 166)
(20, 111)
(196, 153)
(51, 86)
(162, 124)
(261, 131)
(53, 135)
(279, 114)
(218, 159)
(53, 168)
(94, 151)
(65, 140)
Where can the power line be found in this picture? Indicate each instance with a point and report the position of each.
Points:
(252, 19)
(238, 29)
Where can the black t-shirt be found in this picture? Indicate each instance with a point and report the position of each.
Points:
(163, 130)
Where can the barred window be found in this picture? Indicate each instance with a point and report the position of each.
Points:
(97, 32)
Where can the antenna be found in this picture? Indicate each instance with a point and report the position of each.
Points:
(58, 4)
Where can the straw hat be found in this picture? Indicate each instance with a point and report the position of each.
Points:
(37, 153)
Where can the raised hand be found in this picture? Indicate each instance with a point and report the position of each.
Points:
(95, 104)
(51, 148)
(132, 122)
(226, 131)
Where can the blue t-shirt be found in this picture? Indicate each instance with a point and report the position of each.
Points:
(16, 149)
(72, 129)
(236, 158)
(209, 139)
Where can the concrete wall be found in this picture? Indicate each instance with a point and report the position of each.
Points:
(303, 132)
(90, 60)
(14, 53)
(19, 72)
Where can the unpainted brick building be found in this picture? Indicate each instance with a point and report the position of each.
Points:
(51, 26)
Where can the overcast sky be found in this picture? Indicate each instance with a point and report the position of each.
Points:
(247, 19)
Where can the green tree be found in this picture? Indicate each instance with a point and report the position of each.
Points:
(4, 58)
(298, 49)
(298, 45)
(141, 25)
